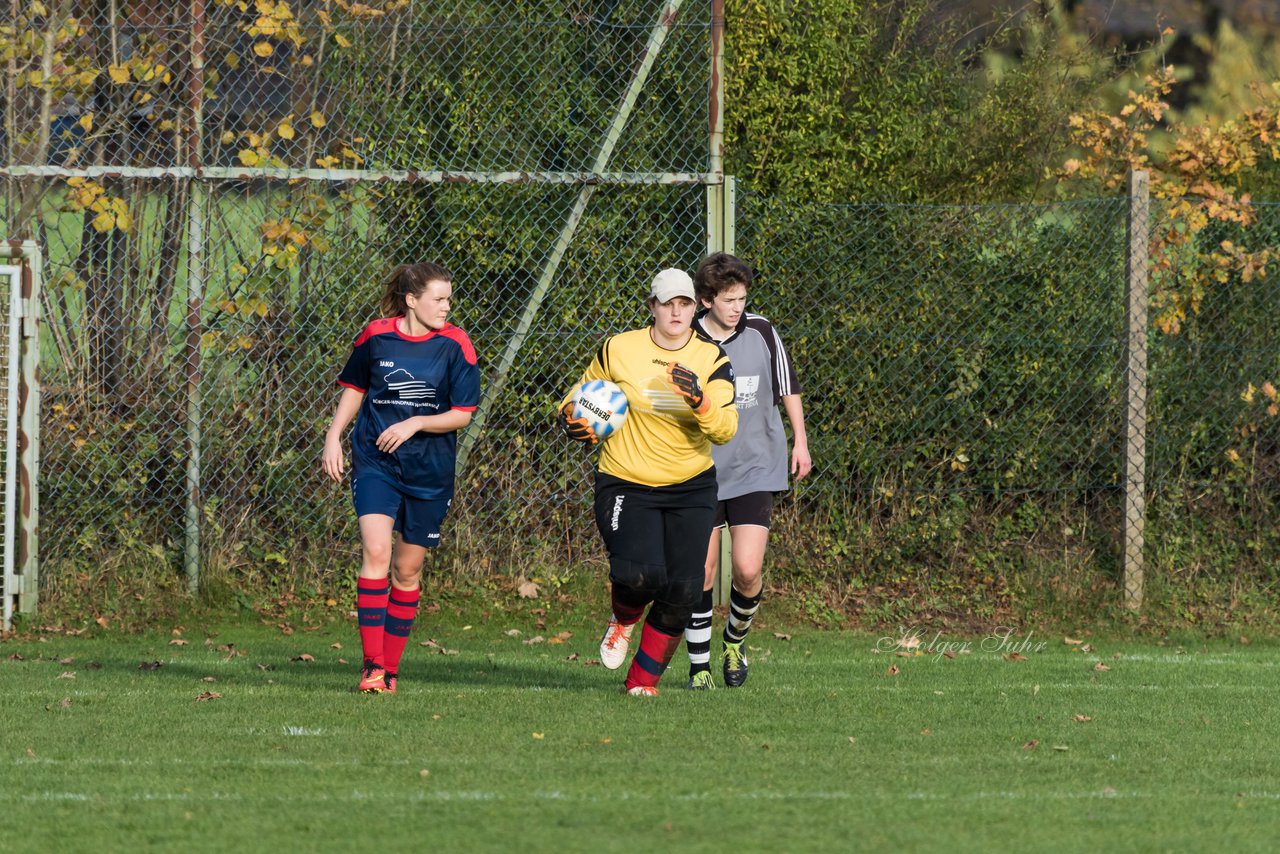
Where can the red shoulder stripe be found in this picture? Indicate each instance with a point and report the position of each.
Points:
(377, 327)
(455, 333)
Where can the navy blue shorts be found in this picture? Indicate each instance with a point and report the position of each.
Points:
(417, 519)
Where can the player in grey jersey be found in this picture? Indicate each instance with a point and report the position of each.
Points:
(752, 466)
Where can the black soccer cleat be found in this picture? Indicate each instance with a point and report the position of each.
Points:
(735, 664)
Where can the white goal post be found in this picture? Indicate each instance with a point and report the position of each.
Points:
(20, 272)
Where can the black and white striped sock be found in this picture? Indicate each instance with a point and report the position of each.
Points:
(697, 636)
(742, 610)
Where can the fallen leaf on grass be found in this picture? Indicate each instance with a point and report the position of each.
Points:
(70, 659)
(335, 646)
(66, 702)
(1101, 667)
(17, 656)
(1061, 748)
(948, 654)
(591, 662)
(893, 670)
(342, 661)
(606, 740)
(781, 636)
(1081, 719)
(1015, 656)
(31, 754)
(1087, 648)
(853, 739)
(533, 640)
(265, 667)
(208, 695)
(151, 665)
(537, 736)
(1244, 641)
(573, 656)
(179, 642)
(209, 679)
(102, 621)
(67, 674)
(527, 590)
(444, 651)
(303, 657)
(1031, 745)
(424, 773)
(513, 633)
(926, 731)
(285, 628)
(1072, 641)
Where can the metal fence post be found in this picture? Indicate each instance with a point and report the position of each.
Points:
(1135, 458)
(720, 217)
(195, 409)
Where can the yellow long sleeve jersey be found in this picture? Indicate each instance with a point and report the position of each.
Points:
(663, 441)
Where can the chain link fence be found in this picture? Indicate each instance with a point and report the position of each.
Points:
(220, 187)
(218, 192)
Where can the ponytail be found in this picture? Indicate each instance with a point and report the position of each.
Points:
(409, 280)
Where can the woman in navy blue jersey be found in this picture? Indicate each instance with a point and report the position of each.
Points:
(411, 383)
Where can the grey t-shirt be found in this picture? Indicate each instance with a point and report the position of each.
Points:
(756, 459)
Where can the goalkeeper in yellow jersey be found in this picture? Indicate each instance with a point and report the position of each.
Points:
(655, 490)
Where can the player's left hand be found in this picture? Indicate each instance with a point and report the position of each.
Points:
(801, 462)
(395, 436)
(685, 382)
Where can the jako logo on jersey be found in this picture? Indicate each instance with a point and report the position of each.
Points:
(386, 364)
(617, 512)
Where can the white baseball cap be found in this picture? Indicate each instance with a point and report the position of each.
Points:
(672, 283)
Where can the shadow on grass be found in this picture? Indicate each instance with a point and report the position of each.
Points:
(323, 676)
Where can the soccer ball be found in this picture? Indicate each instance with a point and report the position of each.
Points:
(603, 404)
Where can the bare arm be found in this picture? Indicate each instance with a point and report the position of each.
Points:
(343, 413)
(801, 462)
(446, 422)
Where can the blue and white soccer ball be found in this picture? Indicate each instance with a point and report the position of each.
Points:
(602, 404)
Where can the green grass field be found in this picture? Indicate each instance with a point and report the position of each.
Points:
(496, 743)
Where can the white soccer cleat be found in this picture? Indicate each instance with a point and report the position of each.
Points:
(614, 644)
(643, 691)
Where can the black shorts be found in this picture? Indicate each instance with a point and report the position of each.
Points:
(656, 535)
(754, 508)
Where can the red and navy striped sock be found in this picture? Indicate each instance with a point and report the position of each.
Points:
(371, 607)
(656, 649)
(401, 610)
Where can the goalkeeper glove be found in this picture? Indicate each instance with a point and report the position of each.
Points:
(685, 382)
(578, 429)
